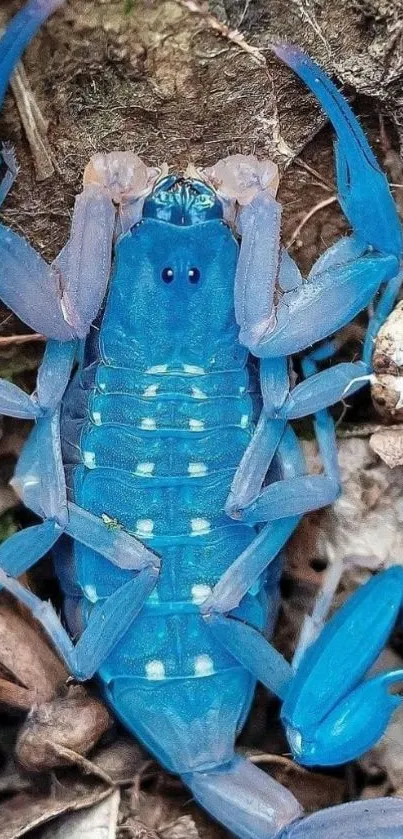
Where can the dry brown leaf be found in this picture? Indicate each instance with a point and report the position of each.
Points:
(28, 658)
(388, 445)
(97, 822)
(25, 811)
(74, 722)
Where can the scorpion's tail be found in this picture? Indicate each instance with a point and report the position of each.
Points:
(243, 798)
(19, 33)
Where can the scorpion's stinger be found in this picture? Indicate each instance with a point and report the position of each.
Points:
(363, 188)
(18, 35)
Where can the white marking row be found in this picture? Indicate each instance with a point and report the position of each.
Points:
(203, 666)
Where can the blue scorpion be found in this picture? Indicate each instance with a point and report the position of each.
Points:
(164, 466)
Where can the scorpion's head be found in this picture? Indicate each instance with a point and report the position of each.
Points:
(171, 299)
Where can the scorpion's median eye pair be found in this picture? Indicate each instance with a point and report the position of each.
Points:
(193, 275)
(167, 275)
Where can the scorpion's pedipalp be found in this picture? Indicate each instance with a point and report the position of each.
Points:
(84, 264)
(379, 818)
(322, 306)
(363, 188)
(258, 263)
(351, 641)
(30, 287)
(18, 34)
(62, 300)
(353, 727)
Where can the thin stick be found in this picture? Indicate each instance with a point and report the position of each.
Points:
(9, 340)
(233, 35)
(320, 206)
(35, 126)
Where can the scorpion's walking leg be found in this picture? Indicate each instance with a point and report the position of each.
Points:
(381, 818)
(106, 626)
(294, 495)
(246, 800)
(243, 642)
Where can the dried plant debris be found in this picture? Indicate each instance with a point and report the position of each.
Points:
(56, 733)
(30, 672)
(97, 822)
(26, 811)
(387, 385)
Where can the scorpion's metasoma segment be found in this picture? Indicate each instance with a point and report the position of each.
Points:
(151, 459)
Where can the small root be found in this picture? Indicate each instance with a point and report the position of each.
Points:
(316, 209)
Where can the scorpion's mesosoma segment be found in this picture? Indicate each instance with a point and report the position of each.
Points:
(168, 408)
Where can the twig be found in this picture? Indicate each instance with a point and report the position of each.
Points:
(320, 206)
(35, 126)
(15, 340)
(312, 171)
(233, 35)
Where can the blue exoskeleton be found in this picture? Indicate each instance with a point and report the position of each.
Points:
(166, 471)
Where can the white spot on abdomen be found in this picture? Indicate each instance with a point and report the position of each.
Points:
(193, 369)
(200, 526)
(200, 592)
(197, 469)
(146, 468)
(198, 394)
(144, 527)
(151, 390)
(196, 425)
(155, 669)
(203, 665)
(158, 368)
(96, 416)
(148, 424)
(91, 593)
(89, 460)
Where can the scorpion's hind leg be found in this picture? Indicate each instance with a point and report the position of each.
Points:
(245, 799)
(379, 818)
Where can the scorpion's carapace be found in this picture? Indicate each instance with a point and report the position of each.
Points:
(162, 447)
